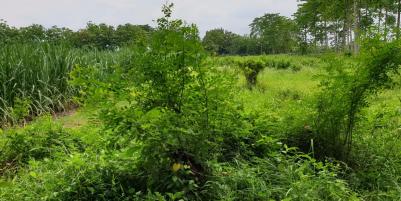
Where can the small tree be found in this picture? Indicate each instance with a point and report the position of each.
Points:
(251, 69)
(178, 113)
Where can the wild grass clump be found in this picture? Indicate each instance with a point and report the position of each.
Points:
(78, 176)
(33, 79)
(44, 139)
(375, 160)
(281, 176)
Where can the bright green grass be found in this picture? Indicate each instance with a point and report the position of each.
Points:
(277, 90)
(279, 80)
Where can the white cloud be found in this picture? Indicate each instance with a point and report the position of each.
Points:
(234, 15)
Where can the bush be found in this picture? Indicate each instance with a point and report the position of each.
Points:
(251, 69)
(346, 91)
(177, 114)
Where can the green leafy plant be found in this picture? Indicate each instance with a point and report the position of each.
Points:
(177, 113)
(346, 91)
(251, 69)
(41, 140)
(20, 111)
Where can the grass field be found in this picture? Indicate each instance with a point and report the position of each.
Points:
(68, 156)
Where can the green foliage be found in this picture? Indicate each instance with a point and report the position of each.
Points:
(169, 63)
(34, 76)
(20, 110)
(7, 33)
(270, 34)
(222, 42)
(345, 93)
(375, 159)
(279, 64)
(39, 77)
(221, 150)
(171, 124)
(98, 36)
(276, 33)
(281, 176)
(96, 86)
(339, 25)
(177, 114)
(106, 37)
(251, 69)
(218, 41)
(129, 34)
(41, 140)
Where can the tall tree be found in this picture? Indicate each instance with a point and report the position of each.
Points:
(219, 41)
(344, 21)
(276, 33)
(398, 18)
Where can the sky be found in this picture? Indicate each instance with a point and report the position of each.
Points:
(233, 15)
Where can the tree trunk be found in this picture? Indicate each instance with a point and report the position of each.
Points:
(350, 40)
(385, 24)
(398, 18)
(326, 35)
(380, 17)
(356, 26)
(345, 30)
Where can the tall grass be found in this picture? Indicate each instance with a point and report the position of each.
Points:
(35, 75)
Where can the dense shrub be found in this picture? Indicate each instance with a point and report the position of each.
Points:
(179, 111)
(251, 69)
(346, 91)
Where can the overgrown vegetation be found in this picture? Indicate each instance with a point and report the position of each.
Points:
(162, 120)
(346, 91)
(33, 79)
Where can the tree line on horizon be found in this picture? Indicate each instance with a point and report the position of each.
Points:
(100, 36)
(317, 26)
